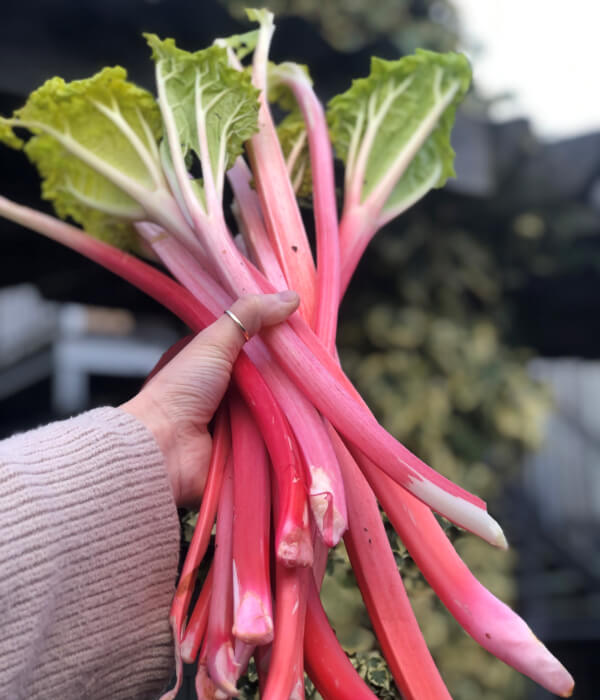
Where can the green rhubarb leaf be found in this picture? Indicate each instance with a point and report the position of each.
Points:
(94, 144)
(241, 44)
(8, 136)
(392, 129)
(206, 102)
(291, 132)
(261, 16)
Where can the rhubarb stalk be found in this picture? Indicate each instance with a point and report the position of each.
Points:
(253, 616)
(220, 657)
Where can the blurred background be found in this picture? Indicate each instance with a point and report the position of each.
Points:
(472, 327)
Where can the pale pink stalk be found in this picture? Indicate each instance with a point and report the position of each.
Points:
(277, 197)
(356, 231)
(243, 654)
(254, 231)
(220, 657)
(187, 269)
(489, 621)
(318, 376)
(253, 614)
(324, 202)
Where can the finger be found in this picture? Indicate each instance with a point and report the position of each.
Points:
(254, 312)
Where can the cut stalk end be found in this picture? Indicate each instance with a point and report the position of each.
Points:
(253, 625)
(331, 523)
(295, 548)
(223, 669)
(465, 514)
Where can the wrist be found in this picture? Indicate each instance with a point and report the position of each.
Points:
(154, 419)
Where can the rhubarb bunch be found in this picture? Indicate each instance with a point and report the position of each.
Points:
(298, 459)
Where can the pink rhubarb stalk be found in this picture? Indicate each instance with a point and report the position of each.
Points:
(326, 662)
(489, 621)
(293, 544)
(382, 590)
(220, 657)
(196, 626)
(291, 588)
(316, 373)
(324, 202)
(254, 231)
(221, 450)
(253, 614)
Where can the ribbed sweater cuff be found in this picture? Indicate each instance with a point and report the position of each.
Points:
(89, 542)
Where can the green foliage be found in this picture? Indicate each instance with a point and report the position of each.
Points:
(202, 93)
(83, 132)
(400, 117)
(291, 132)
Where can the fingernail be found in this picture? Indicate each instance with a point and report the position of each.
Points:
(287, 296)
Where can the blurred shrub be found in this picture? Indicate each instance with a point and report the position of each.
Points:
(349, 25)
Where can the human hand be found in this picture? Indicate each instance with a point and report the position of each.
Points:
(179, 401)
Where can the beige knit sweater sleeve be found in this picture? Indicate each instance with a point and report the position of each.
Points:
(89, 542)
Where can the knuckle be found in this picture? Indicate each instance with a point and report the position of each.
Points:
(251, 312)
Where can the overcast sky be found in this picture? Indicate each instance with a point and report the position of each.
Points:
(546, 52)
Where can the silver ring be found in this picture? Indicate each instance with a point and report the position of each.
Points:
(238, 323)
